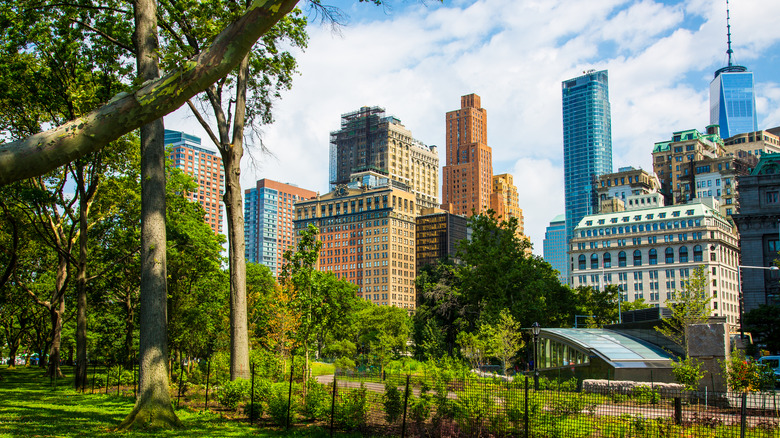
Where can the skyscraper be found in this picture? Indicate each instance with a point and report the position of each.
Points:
(205, 167)
(268, 218)
(732, 96)
(468, 172)
(369, 140)
(587, 143)
(554, 246)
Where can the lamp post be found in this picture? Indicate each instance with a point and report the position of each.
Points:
(536, 328)
(741, 296)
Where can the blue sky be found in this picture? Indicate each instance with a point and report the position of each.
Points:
(416, 59)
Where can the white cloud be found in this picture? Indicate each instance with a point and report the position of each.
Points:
(417, 60)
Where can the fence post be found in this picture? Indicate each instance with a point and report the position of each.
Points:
(743, 416)
(289, 395)
(208, 374)
(677, 410)
(526, 408)
(406, 402)
(252, 396)
(333, 405)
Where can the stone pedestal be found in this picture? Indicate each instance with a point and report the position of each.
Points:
(709, 344)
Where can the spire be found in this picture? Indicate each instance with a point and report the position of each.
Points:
(730, 68)
(728, 32)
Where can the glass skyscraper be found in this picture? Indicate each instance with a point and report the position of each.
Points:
(555, 247)
(587, 143)
(733, 101)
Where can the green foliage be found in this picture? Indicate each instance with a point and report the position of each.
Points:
(233, 393)
(763, 323)
(420, 407)
(644, 394)
(344, 363)
(568, 404)
(393, 403)
(316, 403)
(688, 372)
(744, 375)
(278, 399)
(351, 410)
(472, 408)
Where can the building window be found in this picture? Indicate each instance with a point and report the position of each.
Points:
(637, 258)
(697, 253)
(622, 259)
(771, 197)
(594, 261)
(653, 256)
(582, 261)
(669, 255)
(607, 260)
(683, 254)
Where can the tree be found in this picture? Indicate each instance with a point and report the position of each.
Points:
(239, 99)
(689, 306)
(763, 323)
(145, 102)
(601, 306)
(506, 339)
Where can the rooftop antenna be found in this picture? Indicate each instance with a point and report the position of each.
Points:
(728, 32)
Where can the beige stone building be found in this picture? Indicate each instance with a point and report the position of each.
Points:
(367, 230)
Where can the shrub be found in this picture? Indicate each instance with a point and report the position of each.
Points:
(344, 363)
(420, 408)
(394, 406)
(316, 404)
(568, 404)
(646, 395)
(232, 393)
(688, 372)
(744, 375)
(278, 401)
(471, 408)
(352, 408)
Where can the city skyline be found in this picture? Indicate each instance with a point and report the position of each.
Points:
(416, 59)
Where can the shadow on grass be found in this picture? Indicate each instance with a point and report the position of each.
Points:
(30, 406)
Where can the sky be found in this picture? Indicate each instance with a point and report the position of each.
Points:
(416, 58)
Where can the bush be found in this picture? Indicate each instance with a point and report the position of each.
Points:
(316, 404)
(393, 402)
(688, 372)
(278, 402)
(233, 393)
(420, 408)
(352, 408)
(746, 375)
(344, 363)
(646, 395)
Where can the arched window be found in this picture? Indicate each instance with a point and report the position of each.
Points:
(683, 254)
(637, 258)
(669, 255)
(582, 261)
(653, 256)
(697, 255)
(607, 260)
(594, 261)
(622, 259)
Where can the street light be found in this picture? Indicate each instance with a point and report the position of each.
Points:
(742, 296)
(536, 328)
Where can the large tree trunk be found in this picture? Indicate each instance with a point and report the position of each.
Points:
(153, 404)
(231, 159)
(81, 286)
(129, 328)
(48, 150)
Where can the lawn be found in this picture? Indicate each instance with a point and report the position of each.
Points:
(31, 407)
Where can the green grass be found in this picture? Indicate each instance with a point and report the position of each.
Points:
(31, 407)
(322, 369)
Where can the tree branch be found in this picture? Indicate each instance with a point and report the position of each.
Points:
(203, 123)
(105, 35)
(48, 150)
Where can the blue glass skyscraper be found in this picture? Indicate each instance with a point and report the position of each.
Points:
(587, 143)
(555, 247)
(733, 97)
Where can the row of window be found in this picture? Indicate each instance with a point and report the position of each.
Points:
(652, 255)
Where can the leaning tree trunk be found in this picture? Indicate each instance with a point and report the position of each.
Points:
(153, 404)
(231, 159)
